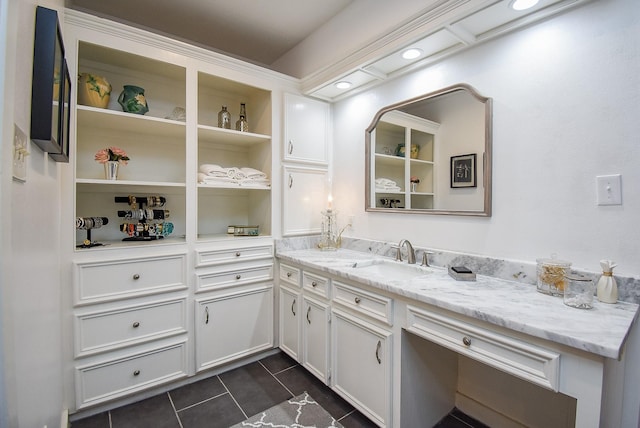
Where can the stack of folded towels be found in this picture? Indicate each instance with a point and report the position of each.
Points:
(248, 177)
(386, 185)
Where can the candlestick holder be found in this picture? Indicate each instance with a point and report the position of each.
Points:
(329, 236)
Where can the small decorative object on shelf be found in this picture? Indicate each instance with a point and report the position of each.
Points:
(89, 223)
(242, 124)
(179, 114)
(93, 91)
(243, 230)
(132, 100)
(578, 291)
(414, 183)
(401, 150)
(607, 289)
(224, 118)
(111, 157)
(144, 224)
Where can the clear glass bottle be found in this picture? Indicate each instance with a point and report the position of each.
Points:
(242, 124)
(224, 118)
(551, 274)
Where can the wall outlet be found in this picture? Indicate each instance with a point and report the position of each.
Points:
(609, 189)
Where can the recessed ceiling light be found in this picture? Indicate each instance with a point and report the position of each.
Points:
(412, 53)
(523, 4)
(343, 84)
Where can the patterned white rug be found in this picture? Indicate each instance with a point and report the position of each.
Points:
(298, 412)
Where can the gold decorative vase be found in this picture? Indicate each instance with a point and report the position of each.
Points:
(93, 91)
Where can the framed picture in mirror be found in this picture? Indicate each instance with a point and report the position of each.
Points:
(463, 171)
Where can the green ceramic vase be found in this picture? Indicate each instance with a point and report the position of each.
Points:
(132, 100)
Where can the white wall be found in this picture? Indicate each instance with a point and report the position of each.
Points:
(566, 109)
(30, 345)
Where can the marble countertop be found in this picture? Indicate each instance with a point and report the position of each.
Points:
(601, 330)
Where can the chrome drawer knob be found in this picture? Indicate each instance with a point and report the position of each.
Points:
(466, 341)
(238, 254)
(238, 276)
(314, 284)
(288, 274)
(357, 300)
(136, 373)
(136, 276)
(136, 324)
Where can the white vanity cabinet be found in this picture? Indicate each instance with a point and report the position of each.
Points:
(362, 350)
(315, 325)
(290, 310)
(233, 304)
(306, 130)
(130, 325)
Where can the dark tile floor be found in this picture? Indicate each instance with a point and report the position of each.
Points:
(231, 397)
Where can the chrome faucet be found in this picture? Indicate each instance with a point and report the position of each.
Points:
(411, 253)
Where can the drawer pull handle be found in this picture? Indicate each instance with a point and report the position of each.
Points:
(357, 300)
(136, 373)
(136, 276)
(378, 346)
(238, 276)
(314, 284)
(288, 274)
(290, 181)
(136, 324)
(238, 254)
(308, 310)
(290, 146)
(206, 312)
(293, 304)
(466, 341)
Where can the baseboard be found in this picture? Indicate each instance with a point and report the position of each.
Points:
(484, 414)
(64, 419)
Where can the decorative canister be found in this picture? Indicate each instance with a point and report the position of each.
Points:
(93, 91)
(413, 153)
(578, 291)
(550, 273)
(132, 100)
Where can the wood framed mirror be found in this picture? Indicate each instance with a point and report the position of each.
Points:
(431, 155)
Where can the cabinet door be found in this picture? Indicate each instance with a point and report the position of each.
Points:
(290, 322)
(304, 197)
(315, 338)
(361, 365)
(306, 133)
(230, 326)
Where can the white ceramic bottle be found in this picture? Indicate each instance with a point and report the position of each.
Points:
(607, 289)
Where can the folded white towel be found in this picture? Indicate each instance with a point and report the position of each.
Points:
(385, 183)
(253, 174)
(387, 189)
(213, 170)
(208, 179)
(250, 182)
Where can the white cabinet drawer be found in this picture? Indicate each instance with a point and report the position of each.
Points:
(100, 331)
(112, 379)
(316, 284)
(216, 257)
(370, 304)
(290, 274)
(207, 281)
(521, 359)
(120, 279)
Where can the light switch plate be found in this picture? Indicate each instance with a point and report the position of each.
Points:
(20, 154)
(609, 189)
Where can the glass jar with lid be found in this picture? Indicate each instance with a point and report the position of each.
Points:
(579, 291)
(551, 275)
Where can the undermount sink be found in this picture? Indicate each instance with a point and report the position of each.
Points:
(393, 270)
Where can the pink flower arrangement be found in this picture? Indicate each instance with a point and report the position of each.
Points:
(112, 154)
